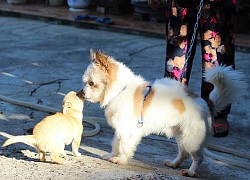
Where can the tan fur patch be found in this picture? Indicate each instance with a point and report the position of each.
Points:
(179, 105)
(103, 60)
(138, 100)
(111, 69)
(112, 73)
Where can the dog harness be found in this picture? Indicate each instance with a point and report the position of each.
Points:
(145, 94)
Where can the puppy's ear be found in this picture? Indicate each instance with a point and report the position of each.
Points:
(92, 55)
(102, 59)
(66, 107)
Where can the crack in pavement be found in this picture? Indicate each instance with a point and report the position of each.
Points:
(58, 81)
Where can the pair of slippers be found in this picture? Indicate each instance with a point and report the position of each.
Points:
(97, 19)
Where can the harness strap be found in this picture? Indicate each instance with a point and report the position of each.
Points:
(145, 94)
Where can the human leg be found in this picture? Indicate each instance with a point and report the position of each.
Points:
(217, 35)
(181, 16)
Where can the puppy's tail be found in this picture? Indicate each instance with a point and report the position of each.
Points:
(27, 139)
(229, 86)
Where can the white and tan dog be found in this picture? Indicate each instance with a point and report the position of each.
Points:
(55, 131)
(135, 108)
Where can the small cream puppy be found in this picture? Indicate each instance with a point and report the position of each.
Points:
(55, 131)
(135, 108)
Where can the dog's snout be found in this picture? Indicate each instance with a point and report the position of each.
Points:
(81, 94)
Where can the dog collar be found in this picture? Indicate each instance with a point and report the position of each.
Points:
(117, 94)
(145, 94)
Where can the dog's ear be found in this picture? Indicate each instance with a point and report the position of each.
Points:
(92, 55)
(66, 107)
(102, 59)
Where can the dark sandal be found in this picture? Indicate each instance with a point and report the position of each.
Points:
(220, 127)
(104, 20)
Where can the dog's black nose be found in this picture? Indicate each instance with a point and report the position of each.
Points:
(81, 94)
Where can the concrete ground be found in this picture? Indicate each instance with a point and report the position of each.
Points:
(40, 62)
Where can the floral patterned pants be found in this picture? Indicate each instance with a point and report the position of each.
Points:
(216, 29)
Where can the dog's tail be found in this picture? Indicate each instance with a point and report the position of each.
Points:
(27, 139)
(229, 86)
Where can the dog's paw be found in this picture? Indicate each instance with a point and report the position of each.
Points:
(170, 163)
(77, 154)
(42, 159)
(107, 156)
(186, 172)
(118, 160)
(114, 159)
(63, 154)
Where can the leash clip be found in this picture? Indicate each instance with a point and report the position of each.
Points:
(140, 123)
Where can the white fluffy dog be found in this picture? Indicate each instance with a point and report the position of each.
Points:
(135, 108)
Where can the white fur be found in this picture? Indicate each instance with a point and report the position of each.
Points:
(161, 116)
(229, 86)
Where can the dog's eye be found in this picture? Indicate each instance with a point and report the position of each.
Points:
(91, 83)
